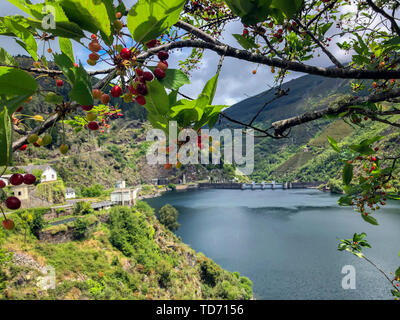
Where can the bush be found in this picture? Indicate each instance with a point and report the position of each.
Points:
(335, 186)
(145, 208)
(37, 223)
(172, 186)
(169, 217)
(82, 208)
(81, 227)
(94, 191)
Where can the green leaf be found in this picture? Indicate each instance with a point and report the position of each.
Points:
(246, 42)
(174, 79)
(6, 58)
(347, 173)
(370, 219)
(210, 88)
(251, 12)
(362, 149)
(333, 144)
(172, 97)
(345, 201)
(288, 7)
(5, 138)
(148, 19)
(53, 98)
(14, 103)
(16, 82)
(90, 15)
(28, 41)
(398, 272)
(66, 48)
(157, 98)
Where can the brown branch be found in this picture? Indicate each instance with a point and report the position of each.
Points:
(386, 15)
(281, 126)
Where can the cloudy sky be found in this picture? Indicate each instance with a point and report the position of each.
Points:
(236, 80)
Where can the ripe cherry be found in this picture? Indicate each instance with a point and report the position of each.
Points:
(376, 149)
(94, 56)
(148, 76)
(94, 46)
(126, 54)
(87, 108)
(151, 43)
(132, 90)
(245, 32)
(19, 109)
(163, 65)
(141, 100)
(93, 126)
(116, 91)
(96, 93)
(60, 83)
(139, 72)
(8, 224)
(118, 15)
(159, 73)
(22, 148)
(105, 99)
(142, 89)
(16, 179)
(13, 203)
(94, 37)
(163, 55)
(2, 184)
(29, 179)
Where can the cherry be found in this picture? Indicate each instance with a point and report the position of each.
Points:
(163, 65)
(151, 43)
(96, 93)
(13, 203)
(105, 99)
(148, 76)
(245, 32)
(33, 138)
(8, 224)
(91, 116)
(94, 56)
(16, 179)
(94, 37)
(87, 108)
(168, 166)
(126, 54)
(29, 179)
(254, 71)
(376, 149)
(49, 50)
(116, 91)
(22, 148)
(94, 46)
(159, 73)
(19, 109)
(91, 62)
(93, 126)
(60, 83)
(142, 89)
(141, 100)
(36, 144)
(163, 55)
(132, 90)
(118, 15)
(2, 184)
(139, 72)
(64, 148)
(118, 25)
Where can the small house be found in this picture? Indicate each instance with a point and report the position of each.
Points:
(120, 184)
(48, 172)
(70, 193)
(124, 197)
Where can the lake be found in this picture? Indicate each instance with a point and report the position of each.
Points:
(285, 241)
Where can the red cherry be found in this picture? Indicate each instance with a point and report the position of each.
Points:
(105, 99)
(141, 100)
(19, 109)
(142, 89)
(60, 83)
(29, 179)
(376, 149)
(87, 108)
(132, 90)
(139, 72)
(126, 54)
(16, 179)
(116, 91)
(94, 37)
(151, 43)
(93, 126)
(13, 203)
(373, 159)
(163, 55)
(245, 32)
(2, 184)
(148, 76)
(163, 65)
(159, 73)
(94, 56)
(8, 224)
(23, 147)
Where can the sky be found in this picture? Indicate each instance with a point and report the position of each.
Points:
(236, 81)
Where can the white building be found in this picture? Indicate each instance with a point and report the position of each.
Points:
(120, 184)
(125, 197)
(70, 193)
(48, 172)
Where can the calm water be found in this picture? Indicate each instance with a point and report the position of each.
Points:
(285, 240)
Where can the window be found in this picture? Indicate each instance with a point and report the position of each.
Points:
(19, 193)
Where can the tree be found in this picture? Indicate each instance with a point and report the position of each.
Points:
(169, 217)
(281, 34)
(82, 208)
